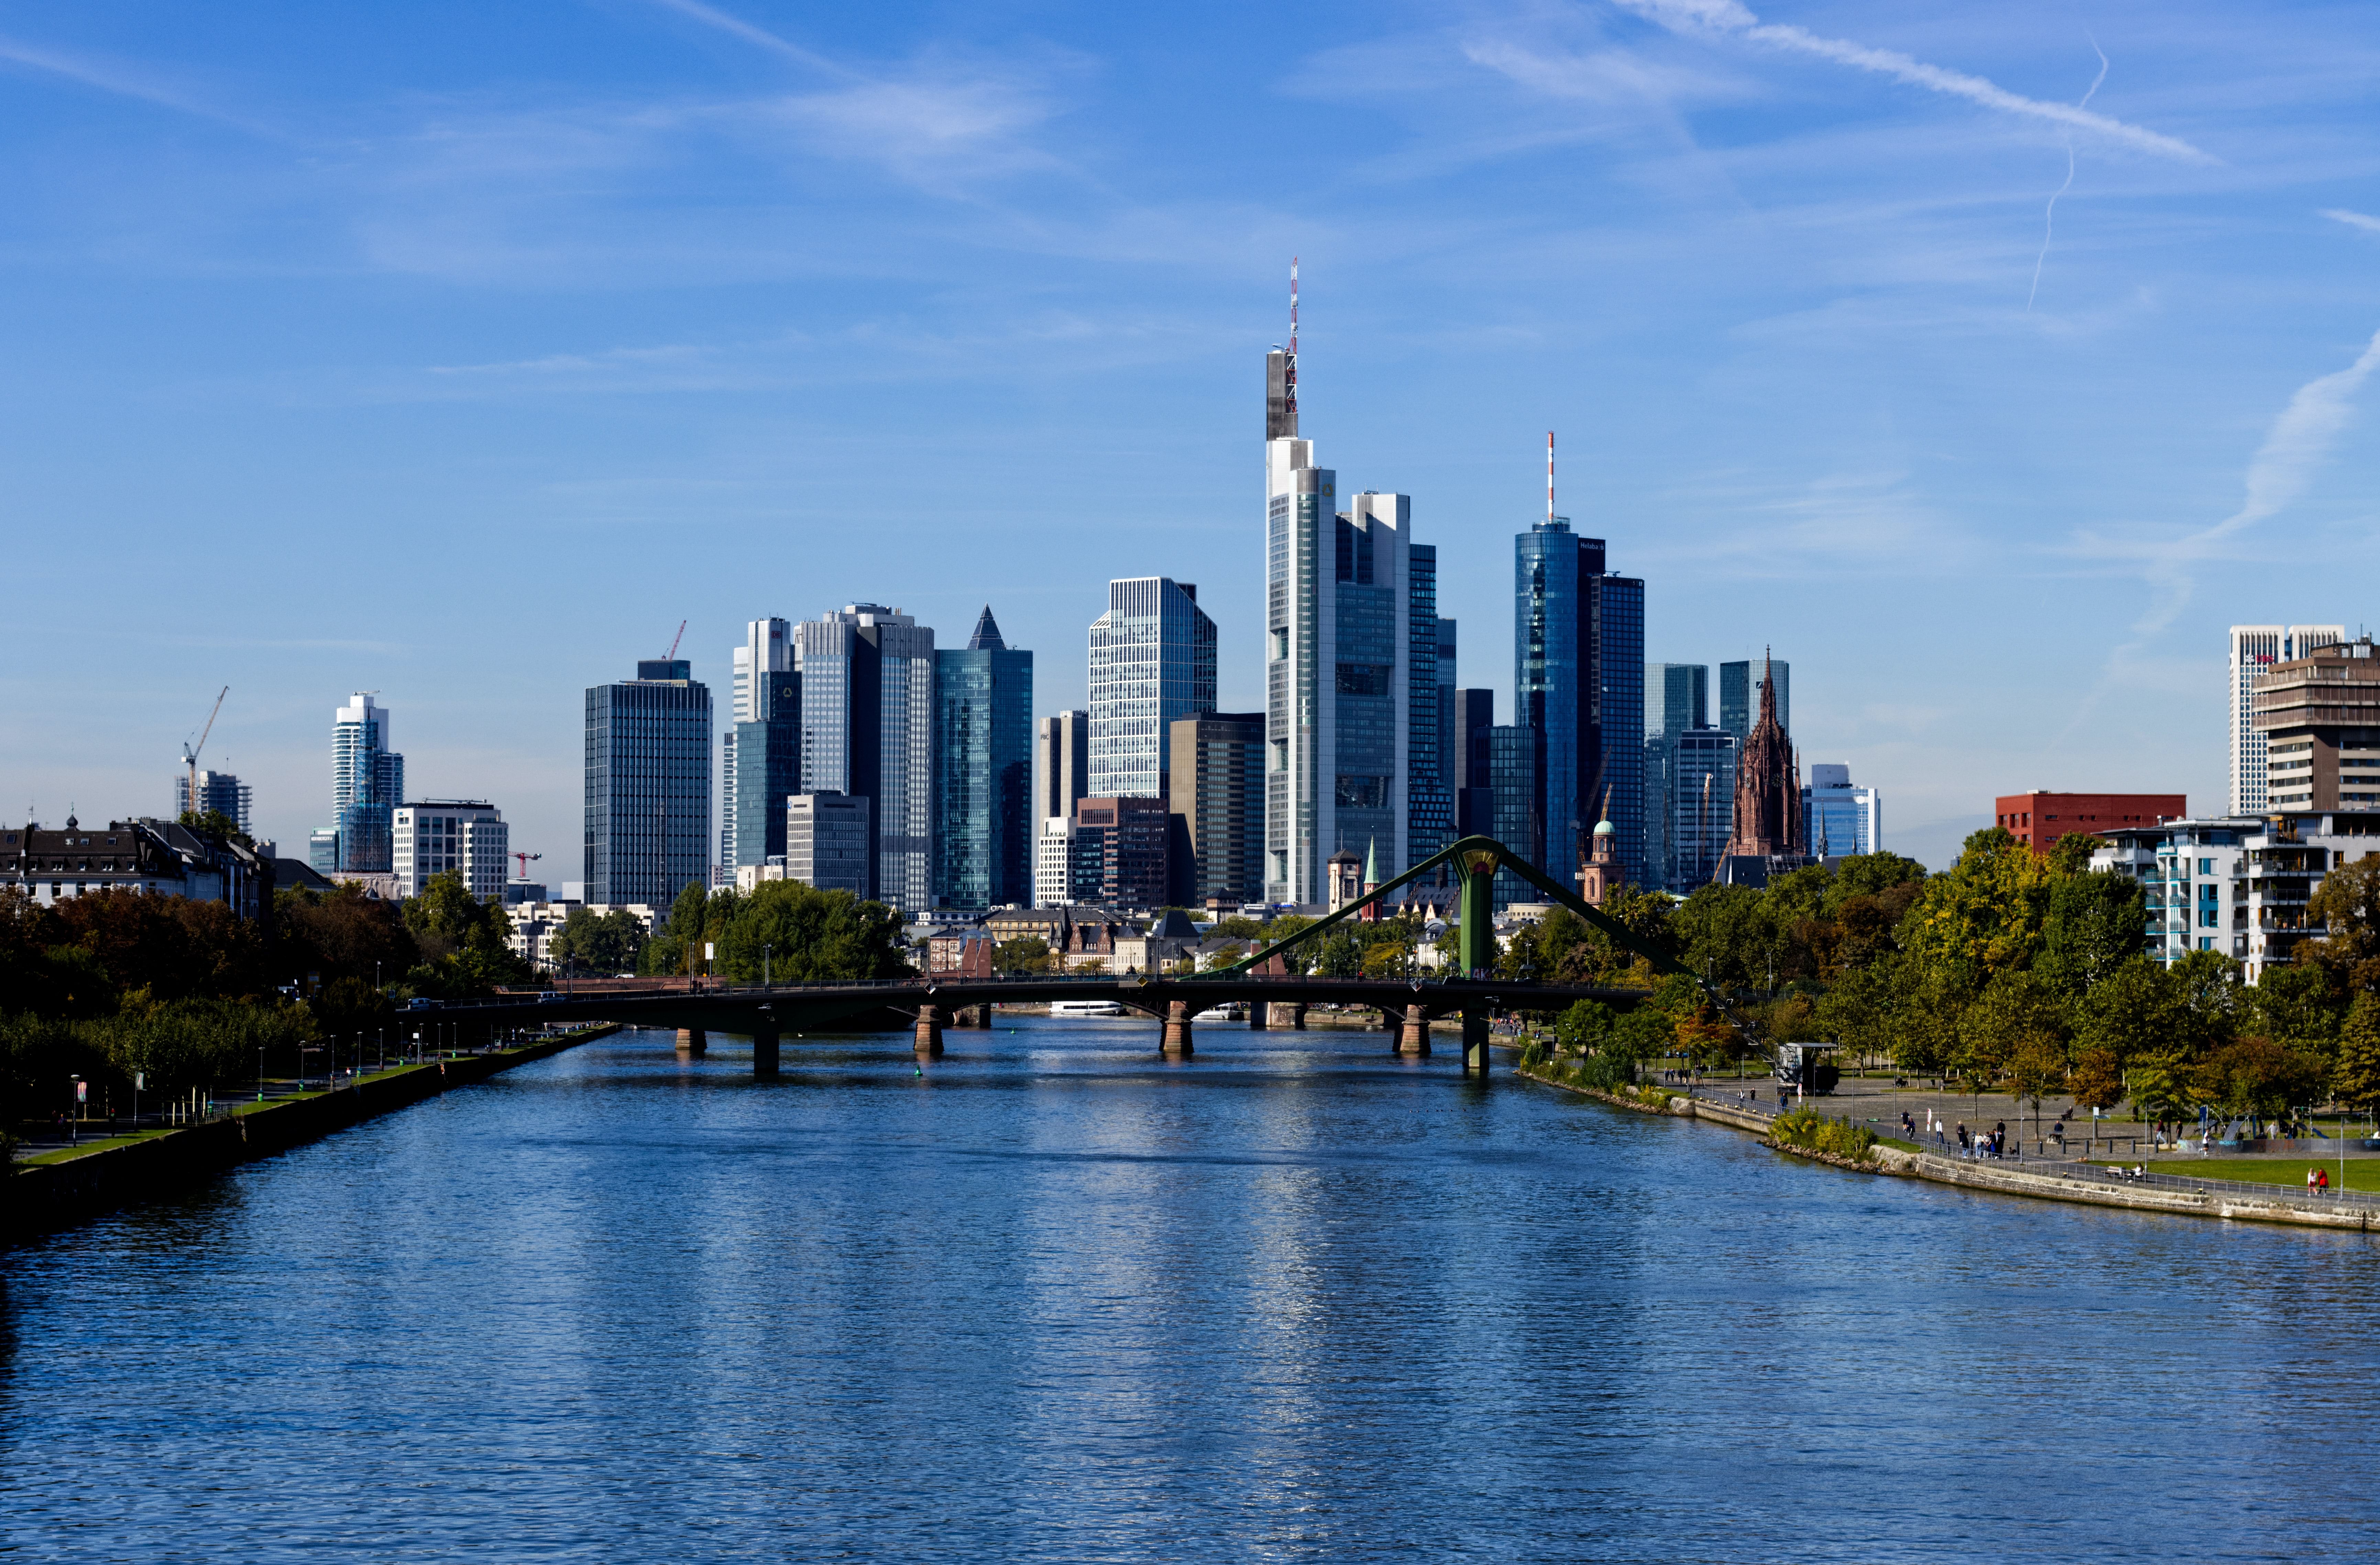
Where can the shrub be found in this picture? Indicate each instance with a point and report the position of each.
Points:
(1813, 1132)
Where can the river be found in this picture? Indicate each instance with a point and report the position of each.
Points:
(1057, 1300)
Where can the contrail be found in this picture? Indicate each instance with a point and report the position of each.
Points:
(736, 26)
(2300, 436)
(2049, 217)
(1729, 17)
(2352, 219)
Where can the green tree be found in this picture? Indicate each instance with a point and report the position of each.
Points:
(2208, 1002)
(1983, 916)
(1238, 926)
(811, 934)
(2093, 924)
(2294, 1003)
(462, 940)
(2259, 1079)
(2098, 1079)
(1726, 934)
(596, 943)
(2348, 904)
(2356, 1078)
(2019, 1015)
(2131, 1012)
(1025, 954)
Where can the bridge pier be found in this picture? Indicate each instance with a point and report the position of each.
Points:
(929, 1031)
(1475, 1041)
(977, 1016)
(1260, 1016)
(765, 1045)
(1177, 1029)
(1413, 1035)
(692, 1040)
(1289, 1013)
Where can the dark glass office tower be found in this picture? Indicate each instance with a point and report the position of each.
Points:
(1739, 696)
(1578, 661)
(768, 755)
(983, 772)
(648, 832)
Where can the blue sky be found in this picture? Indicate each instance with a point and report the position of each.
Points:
(458, 352)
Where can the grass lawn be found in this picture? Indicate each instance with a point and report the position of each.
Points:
(2363, 1173)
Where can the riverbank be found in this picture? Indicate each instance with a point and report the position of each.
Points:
(62, 1190)
(2078, 1182)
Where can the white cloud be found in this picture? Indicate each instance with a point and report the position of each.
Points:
(1728, 19)
(2352, 219)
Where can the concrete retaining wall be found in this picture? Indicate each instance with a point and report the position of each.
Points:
(44, 1198)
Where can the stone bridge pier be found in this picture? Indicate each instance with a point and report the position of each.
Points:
(1177, 1031)
(929, 1031)
(1413, 1033)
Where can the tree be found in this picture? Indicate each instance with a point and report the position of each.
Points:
(2259, 1079)
(2295, 1003)
(2093, 926)
(2130, 1013)
(2355, 1079)
(599, 943)
(2036, 1068)
(2207, 1001)
(462, 940)
(2348, 904)
(1856, 1011)
(2098, 1079)
(1026, 953)
(1239, 926)
(1984, 915)
(810, 936)
(2019, 1016)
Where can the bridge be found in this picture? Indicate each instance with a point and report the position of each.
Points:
(928, 1003)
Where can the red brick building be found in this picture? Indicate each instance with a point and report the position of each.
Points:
(2038, 820)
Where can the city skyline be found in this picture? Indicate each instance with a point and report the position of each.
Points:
(1824, 360)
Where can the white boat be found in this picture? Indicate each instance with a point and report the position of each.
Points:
(1084, 1007)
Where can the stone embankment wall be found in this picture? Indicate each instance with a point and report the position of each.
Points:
(44, 1198)
(2283, 1206)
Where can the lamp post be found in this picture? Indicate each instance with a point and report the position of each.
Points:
(74, 1116)
(765, 982)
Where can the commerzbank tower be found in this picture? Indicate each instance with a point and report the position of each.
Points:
(1352, 666)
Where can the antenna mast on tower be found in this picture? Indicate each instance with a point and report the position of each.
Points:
(1549, 478)
(1289, 380)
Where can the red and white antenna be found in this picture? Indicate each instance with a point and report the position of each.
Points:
(1549, 478)
(1289, 379)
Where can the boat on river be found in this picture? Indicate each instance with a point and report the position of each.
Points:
(1085, 1007)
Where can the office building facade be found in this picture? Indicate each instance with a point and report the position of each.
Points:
(2320, 717)
(1217, 794)
(2255, 649)
(867, 730)
(1515, 802)
(983, 760)
(766, 651)
(648, 803)
(367, 783)
(2038, 819)
(219, 791)
(1152, 661)
(1739, 695)
(1843, 819)
(1697, 779)
(1062, 764)
(1126, 840)
(1578, 647)
(462, 837)
(831, 842)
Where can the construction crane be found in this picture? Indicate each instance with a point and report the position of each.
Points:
(190, 753)
(672, 654)
(526, 859)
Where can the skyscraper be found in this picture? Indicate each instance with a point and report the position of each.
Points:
(367, 783)
(2254, 649)
(219, 791)
(1699, 806)
(1578, 646)
(462, 837)
(1429, 789)
(766, 749)
(1842, 819)
(648, 825)
(1344, 658)
(1677, 701)
(1062, 764)
(1218, 793)
(867, 730)
(766, 649)
(1739, 696)
(1152, 660)
(1474, 800)
(983, 764)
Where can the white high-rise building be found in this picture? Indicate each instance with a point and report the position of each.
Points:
(867, 730)
(367, 783)
(2256, 648)
(767, 648)
(1062, 769)
(1152, 660)
(466, 837)
(1351, 654)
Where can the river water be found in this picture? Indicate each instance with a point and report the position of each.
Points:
(1058, 1300)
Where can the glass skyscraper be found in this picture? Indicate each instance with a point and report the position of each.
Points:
(867, 730)
(1739, 696)
(1578, 637)
(1350, 670)
(1152, 660)
(766, 649)
(983, 771)
(367, 785)
(648, 825)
